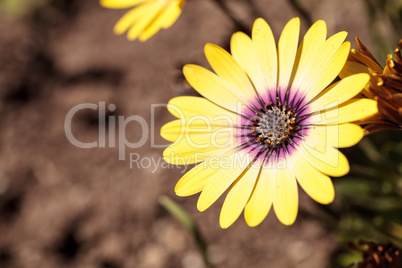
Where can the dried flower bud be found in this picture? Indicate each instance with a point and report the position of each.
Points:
(385, 86)
(377, 255)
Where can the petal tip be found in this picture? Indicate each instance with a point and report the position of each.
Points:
(117, 30)
(178, 191)
(295, 20)
(209, 46)
(252, 222)
(200, 204)
(327, 201)
(225, 223)
(188, 69)
(287, 222)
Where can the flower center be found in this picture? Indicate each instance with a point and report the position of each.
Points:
(274, 125)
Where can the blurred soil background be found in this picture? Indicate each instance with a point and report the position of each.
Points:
(64, 206)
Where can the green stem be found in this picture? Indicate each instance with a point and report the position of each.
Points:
(182, 216)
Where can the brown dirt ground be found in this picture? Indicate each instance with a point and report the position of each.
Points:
(62, 206)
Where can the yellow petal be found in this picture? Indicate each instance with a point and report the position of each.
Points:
(349, 111)
(226, 67)
(324, 54)
(200, 108)
(194, 181)
(128, 19)
(287, 48)
(167, 17)
(286, 199)
(194, 149)
(340, 92)
(326, 159)
(260, 202)
(174, 13)
(213, 87)
(351, 68)
(317, 185)
(220, 181)
(179, 129)
(120, 3)
(312, 42)
(238, 196)
(329, 72)
(265, 46)
(340, 136)
(147, 15)
(173, 130)
(197, 178)
(244, 53)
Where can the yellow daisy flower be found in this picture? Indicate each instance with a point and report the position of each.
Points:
(146, 18)
(267, 122)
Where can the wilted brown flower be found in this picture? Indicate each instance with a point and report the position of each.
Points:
(385, 86)
(376, 255)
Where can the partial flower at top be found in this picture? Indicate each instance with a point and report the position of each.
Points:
(146, 18)
(385, 86)
(268, 121)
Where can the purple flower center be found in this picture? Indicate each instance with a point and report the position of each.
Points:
(274, 126)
